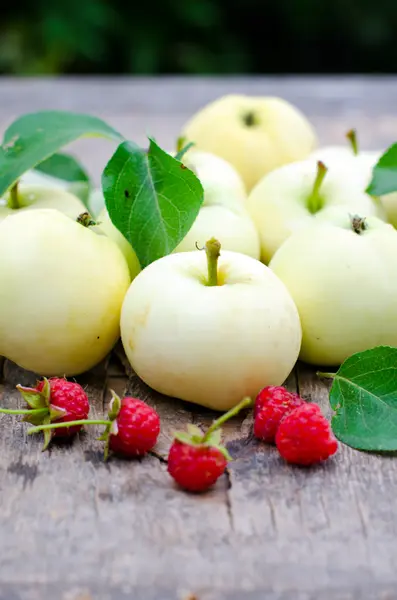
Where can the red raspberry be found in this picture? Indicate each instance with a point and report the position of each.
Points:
(196, 459)
(271, 405)
(136, 428)
(304, 436)
(69, 397)
(195, 467)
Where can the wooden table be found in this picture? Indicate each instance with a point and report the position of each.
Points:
(73, 528)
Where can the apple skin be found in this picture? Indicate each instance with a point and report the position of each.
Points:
(234, 229)
(96, 202)
(106, 225)
(35, 196)
(361, 166)
(210, 345)
(223, 214)
(62, 291)
(344, 286)
(278, 204)
(277, 133)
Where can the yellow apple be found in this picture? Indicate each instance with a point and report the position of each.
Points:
(255, 134)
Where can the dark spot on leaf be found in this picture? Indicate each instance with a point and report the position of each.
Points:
(97, 337)
(183, 166)
(24, 470)
(126, 193)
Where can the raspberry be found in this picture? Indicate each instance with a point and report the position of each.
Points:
(52, 404)
(196, 459)
(131, 429)
(137, 428)
(304, 436)
(69, 397)
(195, 468)
(271, 405)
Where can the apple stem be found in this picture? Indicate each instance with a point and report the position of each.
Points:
(325, 375)
(86, 220)
(28, 411)
(68, 424)
(314, 202)
(13, 202)
(213, 251)
(352, 137)
(245, 403)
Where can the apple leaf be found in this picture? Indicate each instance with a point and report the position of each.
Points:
(364, 396)
(68, 168)
(151, 197)
(36, 136)
(384, 174)
(63, 166)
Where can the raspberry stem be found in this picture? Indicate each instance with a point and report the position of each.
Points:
(212, 250)
(67, 424)
(28, 411)
(245, 403)
(325, 375)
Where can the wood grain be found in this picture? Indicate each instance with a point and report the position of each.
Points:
(74, 528)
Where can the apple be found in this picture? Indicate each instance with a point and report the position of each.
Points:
(24, 197)
(106, 225)
(210, 332)
(293, 196)
(255, 134)
(36, 177)
(234, 229)
(62, 287)
(360, 164)
(96, 202)
(223, 213)
(342, 277)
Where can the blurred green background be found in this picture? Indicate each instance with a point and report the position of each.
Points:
(198, 37)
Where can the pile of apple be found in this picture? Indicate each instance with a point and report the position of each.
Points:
(305, 266)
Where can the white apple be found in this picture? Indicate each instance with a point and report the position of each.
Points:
(96, 202)
(223, 213)
(62, 286)
(293, 196)
(36, 177)
(342, 277)
(34, 196)
(106, 225)
(234, 229)
(210, 334)
(359, 164)
(255, 134)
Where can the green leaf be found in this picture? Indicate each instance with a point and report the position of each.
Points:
(68, 169)
(151, 198)
(384, 174)
(36, 136)
(364, 396)
(63, 166)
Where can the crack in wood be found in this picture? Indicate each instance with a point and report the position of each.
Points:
(228, 499)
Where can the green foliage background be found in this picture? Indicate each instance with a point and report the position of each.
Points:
(198, 36)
